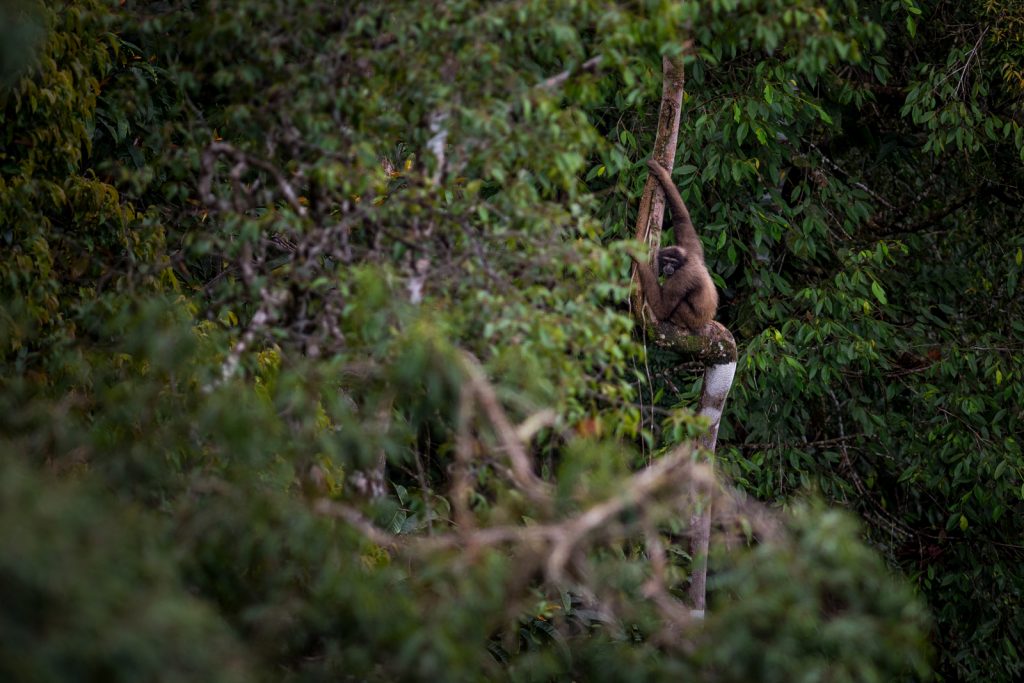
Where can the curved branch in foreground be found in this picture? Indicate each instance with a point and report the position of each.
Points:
(556, 543)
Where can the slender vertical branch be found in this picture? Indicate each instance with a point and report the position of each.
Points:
(719, 371)
(652, 201)
(714, 345)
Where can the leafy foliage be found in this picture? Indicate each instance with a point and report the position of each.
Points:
(252, 251)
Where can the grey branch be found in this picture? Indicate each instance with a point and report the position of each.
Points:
(591, 65)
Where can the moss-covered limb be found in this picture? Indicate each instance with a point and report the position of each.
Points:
(714, 345)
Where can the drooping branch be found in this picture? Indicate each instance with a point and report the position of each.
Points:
(557, 543)
(559, 79)
(521, 466)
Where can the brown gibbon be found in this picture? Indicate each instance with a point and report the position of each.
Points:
(688, 297)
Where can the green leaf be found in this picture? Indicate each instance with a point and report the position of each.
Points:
(876, 289)
(1000, 468)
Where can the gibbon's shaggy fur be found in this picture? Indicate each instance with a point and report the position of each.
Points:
(688, 297)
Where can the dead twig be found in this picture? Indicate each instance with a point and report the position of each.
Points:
(591, 65)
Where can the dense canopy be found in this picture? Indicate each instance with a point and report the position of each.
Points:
(318, 359)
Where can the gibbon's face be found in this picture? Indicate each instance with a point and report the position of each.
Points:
(676, 261)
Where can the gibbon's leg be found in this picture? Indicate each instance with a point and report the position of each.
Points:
(688, 314)
(697, 306)
(652, 290)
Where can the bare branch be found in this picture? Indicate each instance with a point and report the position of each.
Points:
(522, 468)
(591, 65)
(242, 160)
(356, 520)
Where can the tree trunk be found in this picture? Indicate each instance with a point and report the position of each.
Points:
(652, 201)
(714, 346)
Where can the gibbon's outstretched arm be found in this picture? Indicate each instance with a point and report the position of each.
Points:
(682, 226)
(688, 298)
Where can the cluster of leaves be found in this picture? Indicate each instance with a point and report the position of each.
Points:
(249, 247)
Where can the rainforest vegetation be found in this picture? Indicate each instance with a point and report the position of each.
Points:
(319, 359)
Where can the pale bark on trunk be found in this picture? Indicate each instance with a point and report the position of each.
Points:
(716, 349)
